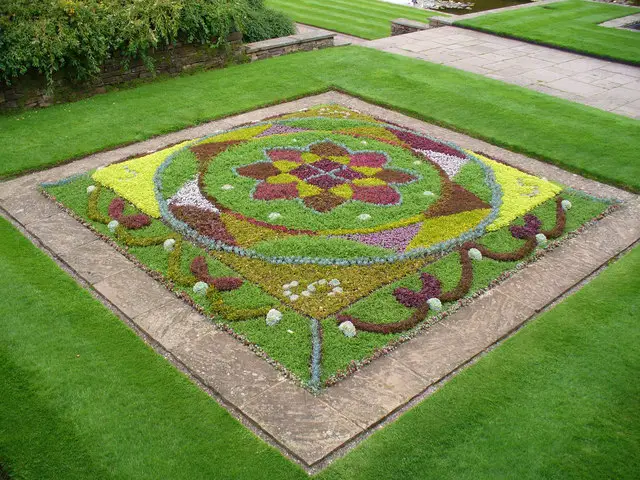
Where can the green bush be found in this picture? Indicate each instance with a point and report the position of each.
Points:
(266, 23)
(75, 37)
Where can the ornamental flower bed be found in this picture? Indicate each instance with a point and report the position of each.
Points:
(325, 237)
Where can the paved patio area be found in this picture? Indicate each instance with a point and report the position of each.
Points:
(606, 85)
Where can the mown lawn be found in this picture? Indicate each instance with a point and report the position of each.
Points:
(82, 397)
(368, 19)
(572, 25)
(583, 139)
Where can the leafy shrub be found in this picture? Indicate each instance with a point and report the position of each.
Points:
(75, 37)
(266, 23)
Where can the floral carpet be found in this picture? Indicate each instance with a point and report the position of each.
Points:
(325, 237)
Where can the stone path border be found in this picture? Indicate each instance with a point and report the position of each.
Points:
(622, 22)
(313, 430)
(591, 81)
(468, 16)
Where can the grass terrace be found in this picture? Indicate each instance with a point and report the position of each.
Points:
(83, 397)
(368, 19)
(570, 25)
(522, 120)
(135, 416)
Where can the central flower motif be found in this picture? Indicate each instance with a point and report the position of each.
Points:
(325, 175)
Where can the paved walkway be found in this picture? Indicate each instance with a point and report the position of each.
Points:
(606, 85)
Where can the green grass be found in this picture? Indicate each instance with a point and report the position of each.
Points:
(558, 400)
(368, 19)
(82, 397)
(572, 25)
(578, 138)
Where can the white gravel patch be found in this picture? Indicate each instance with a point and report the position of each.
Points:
(450, 164)
(189, 196)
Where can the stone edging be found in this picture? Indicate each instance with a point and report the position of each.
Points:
(622, 21)
(294, 43)
(401, 26)
(315, 429)
(443, 21)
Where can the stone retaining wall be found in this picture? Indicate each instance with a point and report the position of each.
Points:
(30, 91)
(294, 43)
(401, 26)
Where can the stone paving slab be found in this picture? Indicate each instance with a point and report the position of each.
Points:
(95, 261)
(312, 429)
(301, 422)
(132, 291)
(393, 383)
(599, 83)
(228, 367)
(61, 233)
(461, 336)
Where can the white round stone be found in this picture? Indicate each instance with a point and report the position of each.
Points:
(274, 216)
(541, 238)
(200, 288)
(91, 188)
(474, 254)
(322, 281)
(364, 217)
(435, 304)
(169, 244)
(334, 282)
(294, 297)
(566, 205)
(293, 284)
(337, 290)
(112, 225)
(428, 193)
(227, 187)
(306, 293)
(348, 329)
(273, 317)
(311, 287)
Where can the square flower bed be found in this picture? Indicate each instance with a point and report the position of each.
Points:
(325, 237)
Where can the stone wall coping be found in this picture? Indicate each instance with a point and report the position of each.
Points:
(457, 18)
(621, 21)
(299, 39)
(410, 23)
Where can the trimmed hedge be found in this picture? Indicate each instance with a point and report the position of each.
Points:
(263, 23)
(75, 37)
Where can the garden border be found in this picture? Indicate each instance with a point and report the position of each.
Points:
(313, 430)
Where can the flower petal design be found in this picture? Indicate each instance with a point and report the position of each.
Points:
(380, 195)
(269, 191)
(259, 171)
(325, 175)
